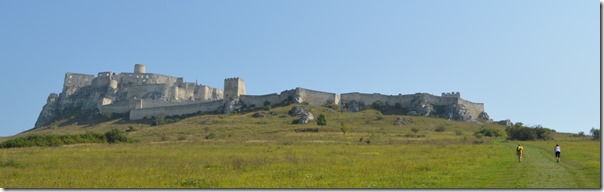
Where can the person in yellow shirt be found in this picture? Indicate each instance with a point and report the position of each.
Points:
(519, 151)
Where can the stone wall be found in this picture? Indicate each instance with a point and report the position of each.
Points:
(368, 99)
(317, 97)
(212, 106)
(233, 87)
(144, 91)
(258, 100)
(75, 81)
(474, 109)
(146, 78)
(207, 93)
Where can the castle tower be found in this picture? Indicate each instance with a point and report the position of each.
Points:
(233, 88)
(139, 68)
(452, 94)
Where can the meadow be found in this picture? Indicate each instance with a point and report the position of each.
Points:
(240, 151)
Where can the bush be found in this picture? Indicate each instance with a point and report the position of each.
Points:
(378, 105)
(211, 136)
(116, 136)
(440, 129)
(131, 129)
(414, 130)
(458, 132)
(52, 140)
(595, 133)
(490, 132)
(520, 132)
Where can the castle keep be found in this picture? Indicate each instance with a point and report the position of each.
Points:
(146, 95)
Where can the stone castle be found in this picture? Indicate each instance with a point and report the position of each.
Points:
(147, 95)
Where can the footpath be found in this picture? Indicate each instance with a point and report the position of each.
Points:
(538, 169)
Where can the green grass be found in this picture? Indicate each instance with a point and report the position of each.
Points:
(248, 152)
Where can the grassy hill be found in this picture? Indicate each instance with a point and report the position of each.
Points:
(243, 151)
(275, 126)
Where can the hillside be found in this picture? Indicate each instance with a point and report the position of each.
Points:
(265, 150)
(275, 126)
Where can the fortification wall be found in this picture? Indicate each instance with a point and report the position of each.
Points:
(207, 93)
(368, 99)
(118, 107)
(182, 94)
(136, 114)
(474, 109)
(75, 81)
(150, 103)
(146, 78)
(317, 97)
(258, 100)
(103, 79)
(142, 90)
(442, 101)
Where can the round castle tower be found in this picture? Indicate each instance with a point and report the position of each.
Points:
(139, 68)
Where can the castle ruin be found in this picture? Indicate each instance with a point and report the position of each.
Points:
(147, 95)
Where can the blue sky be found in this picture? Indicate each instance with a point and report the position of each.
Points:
(536, 62)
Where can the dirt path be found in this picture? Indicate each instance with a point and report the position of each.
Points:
(538, 169)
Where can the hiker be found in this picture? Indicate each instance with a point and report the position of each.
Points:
(557, 151)
(519, 150)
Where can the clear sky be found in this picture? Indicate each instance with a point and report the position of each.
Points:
(536, 62)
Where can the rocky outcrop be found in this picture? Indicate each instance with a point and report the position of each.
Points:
(232, 106)
(457, 112)
(399, 121)
(304, 115)
(354, 106)
(506, 122)
(49, 111)
(420, 107)
(483, 116)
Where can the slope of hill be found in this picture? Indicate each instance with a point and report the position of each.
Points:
(276, 126)
(265, 150)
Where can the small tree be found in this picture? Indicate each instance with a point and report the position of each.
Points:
(344, 128)
(322, 120)
(581, 133)
(595, 133)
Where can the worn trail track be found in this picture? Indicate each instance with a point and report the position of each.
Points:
(538, 169)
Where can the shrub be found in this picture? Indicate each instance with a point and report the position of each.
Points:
(458, 132)
(211, 136)
(344, 128)
(414, 130)
(116, 136)
(322, 120)
(131, 129)
(53, 140)
(489, 132)
(378, 105)
(595, 133)
(440, 129)
(520, 132)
